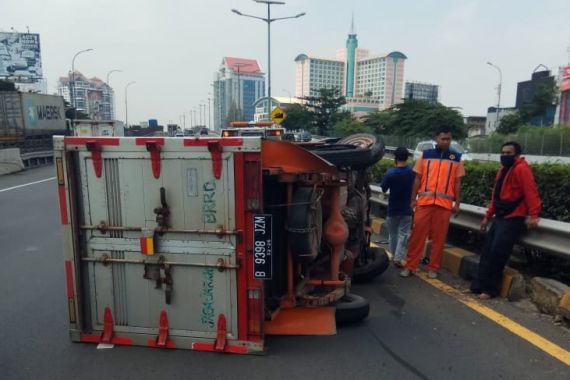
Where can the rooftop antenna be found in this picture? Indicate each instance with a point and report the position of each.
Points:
(28, 28)
(568, 50)
(352, 24)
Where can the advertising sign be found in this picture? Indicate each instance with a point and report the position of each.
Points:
(95, 104)
(20, 56)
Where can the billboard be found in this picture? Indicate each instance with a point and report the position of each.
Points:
(565, 82)
(20, 56)
(94, 104)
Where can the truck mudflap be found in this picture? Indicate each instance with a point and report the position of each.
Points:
(156, 238)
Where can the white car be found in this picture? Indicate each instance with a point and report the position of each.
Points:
(430, 144)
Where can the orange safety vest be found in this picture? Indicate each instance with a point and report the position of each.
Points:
(439, 172)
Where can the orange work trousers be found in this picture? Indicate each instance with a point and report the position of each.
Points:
(429, 221)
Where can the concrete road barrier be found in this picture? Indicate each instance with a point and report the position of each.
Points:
(10, 161)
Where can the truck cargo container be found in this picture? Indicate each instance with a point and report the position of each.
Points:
(201, 243)
(28, 121)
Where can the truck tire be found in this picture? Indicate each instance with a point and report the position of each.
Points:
(351, 308)
(357, 151)
(305, 223)
(367, 268)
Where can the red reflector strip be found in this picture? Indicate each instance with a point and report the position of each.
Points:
(144, 140)
(112, 141)
(169, 344)
(123, 341)
(62, 204)
(209, 347)
(69, 279)
(222, 142)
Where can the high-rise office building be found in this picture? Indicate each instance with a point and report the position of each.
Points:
(368, 82)
(91, 96)
(422, 91)
(238, 83)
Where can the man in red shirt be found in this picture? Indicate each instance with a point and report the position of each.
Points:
(514, 201)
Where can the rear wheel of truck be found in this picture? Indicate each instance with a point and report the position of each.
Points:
(370, 264)
(351, 308)
(357, 151)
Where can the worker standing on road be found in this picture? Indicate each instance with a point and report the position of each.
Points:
(437, 188)
(399, 181)
(514, 198)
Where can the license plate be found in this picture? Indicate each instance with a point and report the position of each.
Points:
(262, 247)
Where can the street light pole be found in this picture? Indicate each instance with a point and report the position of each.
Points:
(72, 88)
(209, 120)
(111, 97)
(127, 104)
(268, 20)
(498, 92)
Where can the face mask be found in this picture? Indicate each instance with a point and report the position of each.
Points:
(507, 161)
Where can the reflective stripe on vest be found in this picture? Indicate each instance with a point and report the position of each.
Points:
(438, 182)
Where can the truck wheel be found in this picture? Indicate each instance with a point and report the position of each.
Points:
(357, 151)
(351, 308)
(305, 223)
(368, 266)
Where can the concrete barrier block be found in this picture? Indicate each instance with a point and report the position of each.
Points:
(10, 161)
(469, 267)
(564, 305)
(512, 285)
(452, 258)
(547, 294)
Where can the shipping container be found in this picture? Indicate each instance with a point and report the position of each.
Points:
(30, 116)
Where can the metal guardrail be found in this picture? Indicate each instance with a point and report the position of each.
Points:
(33, 159)
(551, 236)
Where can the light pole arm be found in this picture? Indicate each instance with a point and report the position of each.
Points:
(252, 16)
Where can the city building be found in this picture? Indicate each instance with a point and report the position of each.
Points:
(475, 125)
(526, 91)
(282, 102)
(493, 121)
(238, 83)
(91, 96)
(368, 82)
(564, 113)
(422, 91)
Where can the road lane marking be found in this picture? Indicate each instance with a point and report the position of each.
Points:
(26, 184)
(536, 340)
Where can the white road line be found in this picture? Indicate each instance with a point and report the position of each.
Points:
(26, 184)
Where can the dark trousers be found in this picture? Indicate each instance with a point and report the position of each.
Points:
(499, 243)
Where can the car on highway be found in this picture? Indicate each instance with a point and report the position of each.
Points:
(430, 144)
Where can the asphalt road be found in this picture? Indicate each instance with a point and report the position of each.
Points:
(414, 330)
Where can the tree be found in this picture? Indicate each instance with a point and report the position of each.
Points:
(323, 107)
(298, 117)
(510, 123)
(420, 118)
(380, 122)
(348, 126)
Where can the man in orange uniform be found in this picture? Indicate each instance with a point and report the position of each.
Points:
(437, 188)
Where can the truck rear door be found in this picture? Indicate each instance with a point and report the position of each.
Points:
(154, 233)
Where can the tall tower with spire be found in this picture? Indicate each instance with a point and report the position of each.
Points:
(351, 46)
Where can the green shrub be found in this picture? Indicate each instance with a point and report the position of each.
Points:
(553, 181)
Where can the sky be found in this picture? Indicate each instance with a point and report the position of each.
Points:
(172, 48)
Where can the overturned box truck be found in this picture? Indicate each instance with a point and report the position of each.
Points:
(209, 243)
